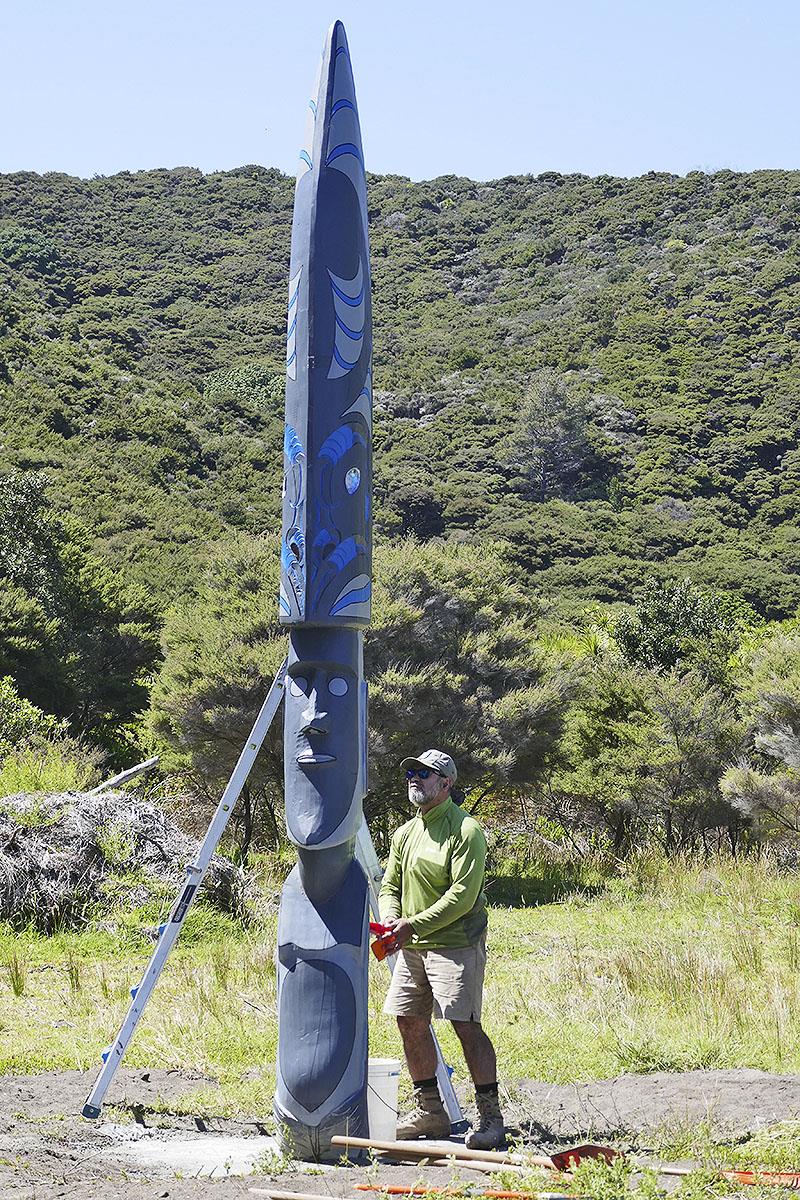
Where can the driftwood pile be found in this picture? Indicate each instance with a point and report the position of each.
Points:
(62, 855)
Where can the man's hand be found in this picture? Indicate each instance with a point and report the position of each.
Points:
(402, 930)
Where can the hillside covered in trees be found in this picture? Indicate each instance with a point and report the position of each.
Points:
(592, 383)
(601, 371)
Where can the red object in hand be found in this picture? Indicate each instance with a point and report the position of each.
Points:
(384, 940)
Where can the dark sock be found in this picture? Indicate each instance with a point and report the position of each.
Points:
(426, 1083)
(485, 1089)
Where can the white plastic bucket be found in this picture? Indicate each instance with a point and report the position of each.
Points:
(383, 1078)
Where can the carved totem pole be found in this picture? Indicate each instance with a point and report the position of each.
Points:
(325, 600)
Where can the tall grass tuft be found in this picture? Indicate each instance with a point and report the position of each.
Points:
(792, 949)
(221, 964)
(74, 974)
(105, 990)
(17, 974)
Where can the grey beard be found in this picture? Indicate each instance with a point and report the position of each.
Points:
(418, 798)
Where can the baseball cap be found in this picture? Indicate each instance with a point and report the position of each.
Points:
(437, 760)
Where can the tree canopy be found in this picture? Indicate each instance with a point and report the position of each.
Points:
(586, 398)
(144, 372)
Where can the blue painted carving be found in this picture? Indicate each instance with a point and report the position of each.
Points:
(326, 585)
(292, 595)
(339, 442)
(316, 987)
(291, 320)
(322, 1006)
(329, 354)
(349, 307)
(322, 769)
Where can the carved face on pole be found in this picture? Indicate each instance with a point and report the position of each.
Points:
(323, 740)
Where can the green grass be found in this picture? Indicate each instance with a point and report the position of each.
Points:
(52, 769)
(668, 967)
(681, 968)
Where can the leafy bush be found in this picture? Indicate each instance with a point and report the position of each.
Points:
(677, 624)
(77, 640)
(51, 768)
(37, 752)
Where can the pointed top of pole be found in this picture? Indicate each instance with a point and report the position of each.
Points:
(326, 573)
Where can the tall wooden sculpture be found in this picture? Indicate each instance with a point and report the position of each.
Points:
(325, 601)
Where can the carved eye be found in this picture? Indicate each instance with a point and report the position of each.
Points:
(352, 479)
(298, 685)
(337, 686)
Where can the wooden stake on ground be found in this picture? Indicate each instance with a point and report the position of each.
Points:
(425, 1190)
(277, 1195)
(465, 1164)
(419, 1148)
(562, 1160)
(785, 1179)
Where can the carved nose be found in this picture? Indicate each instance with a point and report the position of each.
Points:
(314, 716)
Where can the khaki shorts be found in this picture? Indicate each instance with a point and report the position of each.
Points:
(444, 983)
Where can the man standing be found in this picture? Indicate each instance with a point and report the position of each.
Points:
(432, 899)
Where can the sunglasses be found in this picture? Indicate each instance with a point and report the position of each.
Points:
(421, 772)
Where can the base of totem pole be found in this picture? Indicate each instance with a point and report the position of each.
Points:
(312, 1143)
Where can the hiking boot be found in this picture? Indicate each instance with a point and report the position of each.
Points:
(426, 1118)
(490, 1131)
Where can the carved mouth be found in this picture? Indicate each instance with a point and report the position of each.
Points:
(308, 758)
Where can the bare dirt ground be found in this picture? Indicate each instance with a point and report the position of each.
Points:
(48, 1150)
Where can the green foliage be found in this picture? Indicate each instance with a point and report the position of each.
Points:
(115, 845)
(21, 721)
(610, 1180)
(37, 752)
(765, 788)
(773, 1149)
(221, 652)
(28, 548)
(52, 768)
(17, 974)
(549, 442)
(598, 374)
(451, 660)
(77, 639)
(645, 752)
(679, 624)
(143, 372)
(770, 681)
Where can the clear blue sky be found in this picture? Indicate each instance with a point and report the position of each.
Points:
(445, 86)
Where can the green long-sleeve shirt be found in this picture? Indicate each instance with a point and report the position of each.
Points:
(434, 878)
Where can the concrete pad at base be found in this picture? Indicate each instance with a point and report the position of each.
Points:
(207, 1154)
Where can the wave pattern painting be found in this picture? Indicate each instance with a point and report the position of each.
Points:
(307, 153)
(291, 326)
(363, 401)
(350, 310)
(344, 151)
